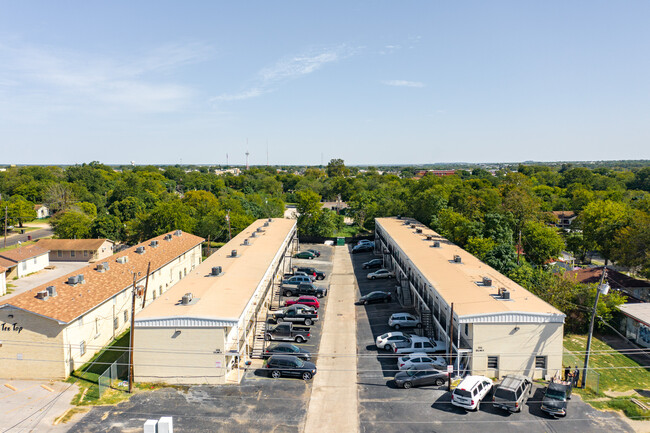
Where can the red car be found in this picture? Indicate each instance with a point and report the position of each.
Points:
(304, 300)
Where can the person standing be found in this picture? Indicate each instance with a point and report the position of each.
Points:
(567, 371)
(576, 376)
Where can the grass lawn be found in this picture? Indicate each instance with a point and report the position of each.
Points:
(616, 374)
(16, 246)
(347, 231)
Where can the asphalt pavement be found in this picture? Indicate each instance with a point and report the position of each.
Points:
(35, 234)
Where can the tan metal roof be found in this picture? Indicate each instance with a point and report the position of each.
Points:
(73, 301)
(72, 244)
(224, 297)
(23, 253)
(639, 312)
(461, 283)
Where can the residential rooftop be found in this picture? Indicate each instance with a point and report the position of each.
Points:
(225, 297)
(461, 283)
(639, 311)
(71, 244)
(23, 253)
(72, 301)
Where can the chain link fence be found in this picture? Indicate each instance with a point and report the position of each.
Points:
(116, 375)
(593, 380)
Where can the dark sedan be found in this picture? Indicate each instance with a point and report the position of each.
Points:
(314, 252)
(363, 248)
(287, 349)
(420, 376)
(374, 263)
(374, 297)
(289, 366)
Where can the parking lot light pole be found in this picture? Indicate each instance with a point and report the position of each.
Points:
(602, 288)
(451, 342)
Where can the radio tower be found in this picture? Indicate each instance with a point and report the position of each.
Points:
(247, 153)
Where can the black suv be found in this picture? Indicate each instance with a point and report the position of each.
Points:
(311, 271)
(305, 289)
(286, 365)
(287, 349)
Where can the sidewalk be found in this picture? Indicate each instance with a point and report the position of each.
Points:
(333, 403)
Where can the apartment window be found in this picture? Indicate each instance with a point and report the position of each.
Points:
(116, 323)
(493, 362)
(184, 272)
(160, 290)
(85, 253)
(180, 275)
(82, 348)
(73, 253)
(154, 295)
(35, 260)
(540, 362)
(96, 325)
(466, 329)
(59, 253)
(126, 316)
(25, 265)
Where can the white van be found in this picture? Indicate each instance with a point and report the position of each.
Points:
(470, 391)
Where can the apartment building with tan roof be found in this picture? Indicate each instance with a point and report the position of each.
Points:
(77, 250)
(24, 260)
(49, 331)
(499, 327)
(203, 329)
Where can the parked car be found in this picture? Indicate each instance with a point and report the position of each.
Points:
(305, 255)
(310, 301)
(294, 282)
(287, 365)
(421, 359)
(288, 276)
(365, 241)
(313, 272)
(420, 376)
(287, 349)
(287, 332)
(383, 341)
(374, 297)
(296, 314)
(381, 273)
(470, 391)
(314, 252)
(363, 248)
(417, 344)
(404, 320)
(304, 289)
(512, 393)
(556, 398)
(372, 264)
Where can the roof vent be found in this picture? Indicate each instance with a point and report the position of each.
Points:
(187, 298)
(139, 250)
(253, 235)
(266, 224)
(487, 281)
(73, 280)
(216, 271)
(399, 217)
(42, 295)
(412, 226)
(505, 293)
(270, 220)
(246, 242)
(457, 259)
(418, 230)
(436, 244)
(259, 230)
(51, 291)
(168, 237)
(178, 232)
(429, 237)
(233, 253)
(122, 260)
(154, 244)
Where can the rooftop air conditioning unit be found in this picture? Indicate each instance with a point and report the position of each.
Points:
(216, 271)
(122, 260)
(73, 280)
(429, 237)
(266, 224)
(457, 259)
(436, 244)
(80, 279)
(51, 291)
(259, 230)
(106, 267)
(270, 220)
(233, 253)
(253, 235)
(100, 267)
(187, 298)
(246, 242)
(154, 243)
(487, 281)
(42, 295)
(418, 230)
(178, 232)
(505, 293)
(399, 217)
(412, 226)
(139, 250)
(168, 237)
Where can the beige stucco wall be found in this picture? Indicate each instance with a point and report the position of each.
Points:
(180, 356)
(31, 346)
(516, 348)
(94, 330)
(3, 283)
(105, 250)
(32, 265)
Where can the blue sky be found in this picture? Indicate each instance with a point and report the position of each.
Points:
(370, 82)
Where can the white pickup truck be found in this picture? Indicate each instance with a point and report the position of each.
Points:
(417, 344)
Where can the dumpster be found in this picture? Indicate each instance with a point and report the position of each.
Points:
(340, 241)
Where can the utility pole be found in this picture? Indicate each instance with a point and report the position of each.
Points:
(228, 219)
(519, 248)
(146, 285)
(135, 274)
(451, 347)
(602, 288)
(6, 213)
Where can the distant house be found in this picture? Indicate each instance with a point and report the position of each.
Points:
(42, 211)
(440, 173)
(334, 205)
(564, 218)
(3, 281)
(24, 260)
(632, 287)
(78, 250)
(636, 324)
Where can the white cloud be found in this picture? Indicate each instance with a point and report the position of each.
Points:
(289, 68)
(403, 83)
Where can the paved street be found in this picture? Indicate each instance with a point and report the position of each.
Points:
(35, 234)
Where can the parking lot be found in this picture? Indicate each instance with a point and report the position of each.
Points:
(385, 408)
(258, 403)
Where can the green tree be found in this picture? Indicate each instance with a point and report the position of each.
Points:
(20, 210)
(71, 225)
(127, 209)
(601, 223)
(107, 226)
(336, 167)
(203, 202)
(480, 247)
(632, 244)
(309, 212)
(166, 217)
(541, 242)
